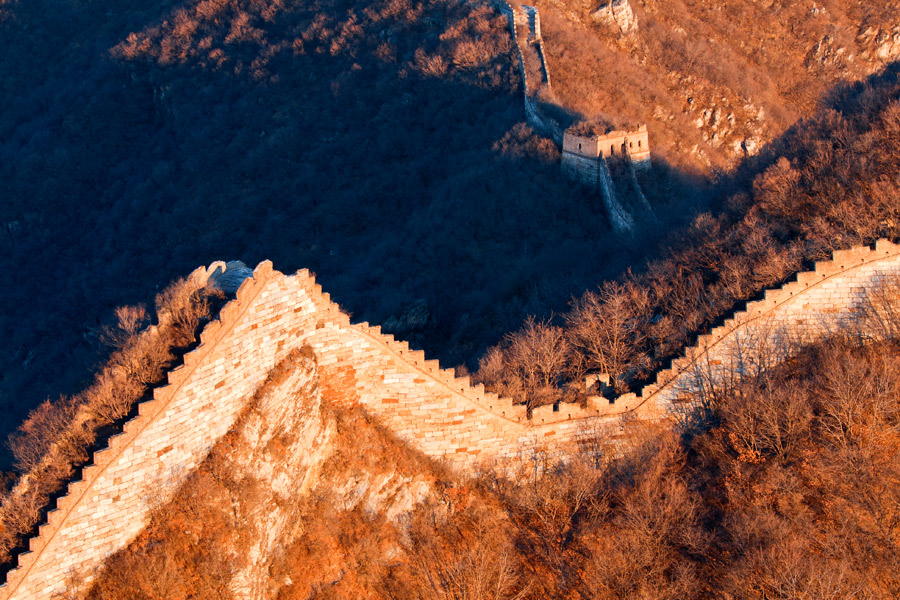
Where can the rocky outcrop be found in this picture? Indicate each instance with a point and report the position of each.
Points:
(880, 44)
(616, 15)
(279, 444)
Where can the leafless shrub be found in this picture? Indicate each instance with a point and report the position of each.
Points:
(859, 402)
(468, 54)
(606, 331)
(143, 359)
(180, 308)
(45, 425)
(768, 422)
(529, 364)
(879, 311)
(430, 66)
(462, 561)
(112, 396)
(129, 321)
(652, 520)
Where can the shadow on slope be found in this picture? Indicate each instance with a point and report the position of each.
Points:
(379, 145)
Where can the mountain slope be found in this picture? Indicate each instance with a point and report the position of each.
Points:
(715, 81)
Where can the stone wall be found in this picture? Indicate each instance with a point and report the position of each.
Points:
(582, 169)
(528, 19)
(442, 415)
(272, 314)
(818, 303)
(170, 436)
(634, 144)
(584, 160)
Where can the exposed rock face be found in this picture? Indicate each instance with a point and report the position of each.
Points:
(281, 442)
(285, 447)
(616, 14)
(880, 44)
(827, 53)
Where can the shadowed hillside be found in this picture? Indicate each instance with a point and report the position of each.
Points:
(377, 144)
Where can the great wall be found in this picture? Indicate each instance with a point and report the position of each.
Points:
(585, 155)
(441, 415)
(525, 31)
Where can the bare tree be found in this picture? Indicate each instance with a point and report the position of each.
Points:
(45, 425)
(538, 354)
(879, 310)
(530, 364)
(129, 321)
(607, 330)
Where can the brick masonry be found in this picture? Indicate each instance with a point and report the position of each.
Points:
(442, 415)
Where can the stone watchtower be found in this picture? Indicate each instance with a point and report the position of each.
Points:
(583, 152)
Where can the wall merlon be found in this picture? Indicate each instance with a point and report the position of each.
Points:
(886, 247)
(210, 333)
(161, 395)
(826, 268)
(806, 278)
(178, 375)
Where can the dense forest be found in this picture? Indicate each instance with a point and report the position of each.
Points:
(380, 145)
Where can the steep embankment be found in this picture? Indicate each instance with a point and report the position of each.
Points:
(294, 475)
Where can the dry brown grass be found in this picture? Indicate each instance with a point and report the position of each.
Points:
(687, 57)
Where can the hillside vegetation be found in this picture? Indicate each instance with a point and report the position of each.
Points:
(381, 145)
(715, 81)
(831, 182)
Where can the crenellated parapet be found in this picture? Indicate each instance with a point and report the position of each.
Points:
(818, 303)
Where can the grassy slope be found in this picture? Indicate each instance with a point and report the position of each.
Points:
(705, 75)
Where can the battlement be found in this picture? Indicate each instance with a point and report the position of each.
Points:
(442, 415)
(634, 144)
